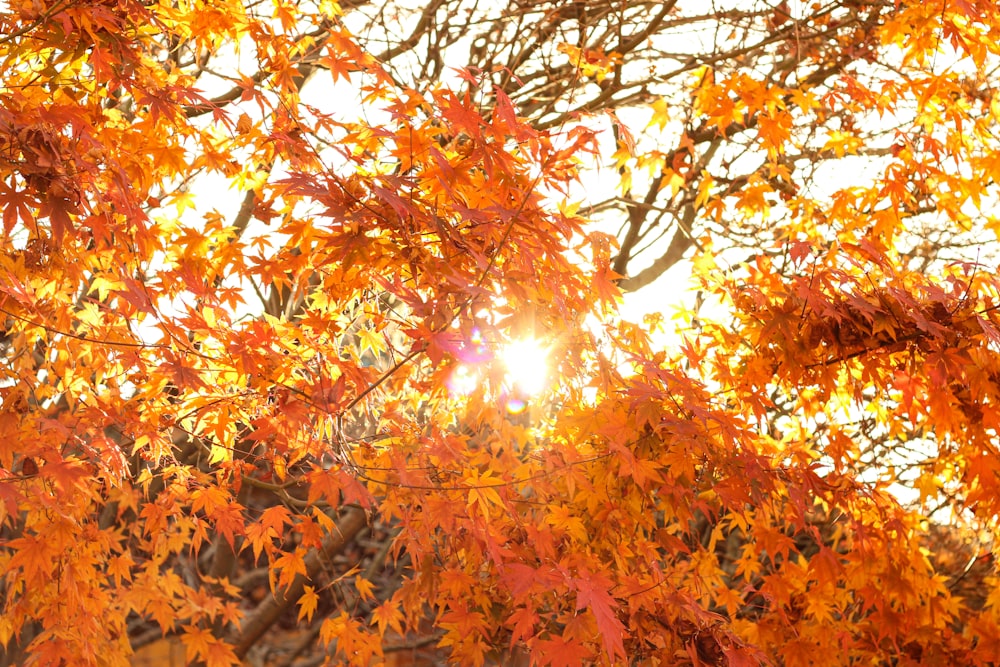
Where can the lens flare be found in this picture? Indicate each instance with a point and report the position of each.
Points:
(516, 406)
(474, 350)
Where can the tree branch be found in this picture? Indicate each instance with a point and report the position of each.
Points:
(271, 609)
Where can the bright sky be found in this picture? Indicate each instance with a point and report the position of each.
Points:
(669, 293)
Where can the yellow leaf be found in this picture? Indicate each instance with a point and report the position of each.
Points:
(307, 603)
(371, 341)
(661, 115)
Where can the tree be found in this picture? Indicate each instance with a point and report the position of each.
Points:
(217, 420)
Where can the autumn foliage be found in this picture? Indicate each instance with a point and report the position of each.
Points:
(261, 261)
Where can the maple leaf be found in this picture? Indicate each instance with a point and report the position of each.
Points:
(289, 565)
(229, 320)
(308, 603)
(196, 642)
(593, 595)
(387, 615)
(58, 210)
(560, 652)
(522, 623)
(967, 7)
(364, 588)
(220, 654)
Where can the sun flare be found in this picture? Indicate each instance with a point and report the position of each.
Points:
(526, 364)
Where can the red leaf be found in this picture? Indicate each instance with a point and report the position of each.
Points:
(58, 212)
(590, 594)
(560, 652)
